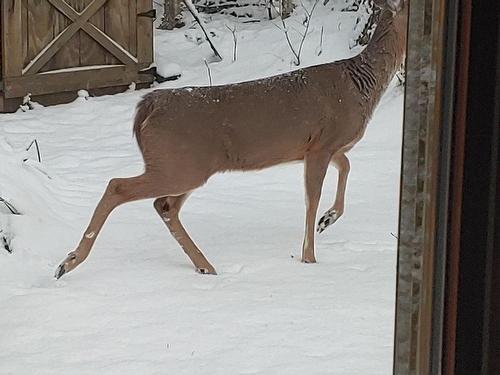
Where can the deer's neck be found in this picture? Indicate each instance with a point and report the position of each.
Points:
(372, 70)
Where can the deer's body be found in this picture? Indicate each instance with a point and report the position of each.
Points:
(315, 114)
(253, 125)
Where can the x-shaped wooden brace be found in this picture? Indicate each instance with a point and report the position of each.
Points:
(80, 21)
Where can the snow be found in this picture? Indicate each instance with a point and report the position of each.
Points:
(136, 305)
(169, 70)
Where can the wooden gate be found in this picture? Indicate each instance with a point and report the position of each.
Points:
(54, 46)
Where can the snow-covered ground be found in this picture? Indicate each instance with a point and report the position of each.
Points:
(136, 306)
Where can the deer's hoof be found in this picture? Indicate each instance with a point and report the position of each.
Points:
(67, 265)
(206, 271)
(326, 220)
(309, 260)
(60, 271)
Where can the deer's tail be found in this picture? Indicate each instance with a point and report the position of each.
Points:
(144, 109)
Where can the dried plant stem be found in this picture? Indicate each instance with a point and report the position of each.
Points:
(297, 52)
(35, 142)
(235, 40)
(5, 242)
(320, 49)
(209, 73)
(308, 23)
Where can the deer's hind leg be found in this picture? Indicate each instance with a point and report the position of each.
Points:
(335, 212)
(118, 191)
(315, 166)
(168, 208)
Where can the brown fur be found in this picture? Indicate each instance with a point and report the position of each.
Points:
(314, 114)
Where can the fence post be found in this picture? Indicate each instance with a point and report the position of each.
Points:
(172, 11)
(286, 8)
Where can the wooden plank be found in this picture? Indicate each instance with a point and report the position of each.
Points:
(111, 45)
(97, 34)
(117, 22)
(9, 105)
(132, 27)
(12, 105)
(144, 35)
(60, 40)
(60, 22)
(79, 18)
(51, 49)
(69, 54)
(69, 8)
(46, 83)
(12, 61)
(78, 5)
(91, 53)
(24, 28)
(40, 21)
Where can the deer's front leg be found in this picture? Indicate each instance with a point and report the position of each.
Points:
(335, 212)
(119, 191)
(109, 201)
(315, 166)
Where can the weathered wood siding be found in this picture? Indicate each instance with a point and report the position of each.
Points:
(88, 43)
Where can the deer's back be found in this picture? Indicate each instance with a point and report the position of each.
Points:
(254, 124)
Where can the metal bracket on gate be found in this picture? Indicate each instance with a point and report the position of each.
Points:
(150, 14)
(158, 78)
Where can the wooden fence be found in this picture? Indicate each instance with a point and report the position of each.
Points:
(61, 46)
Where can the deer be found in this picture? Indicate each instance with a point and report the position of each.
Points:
(186, 135)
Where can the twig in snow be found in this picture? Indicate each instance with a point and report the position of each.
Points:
(195, 14)
(393, 235)
(209, 73)
(319, 51)
(306, 23)
(10, 207)
(39, 169)
(5, 242)
(287, 37)
(35, 142)
(235, 40)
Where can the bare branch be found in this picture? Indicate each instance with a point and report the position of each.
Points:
(307, 25)
(194, 13)
(285, 30)
(297, 53)
(303, 7)
(10, 207)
